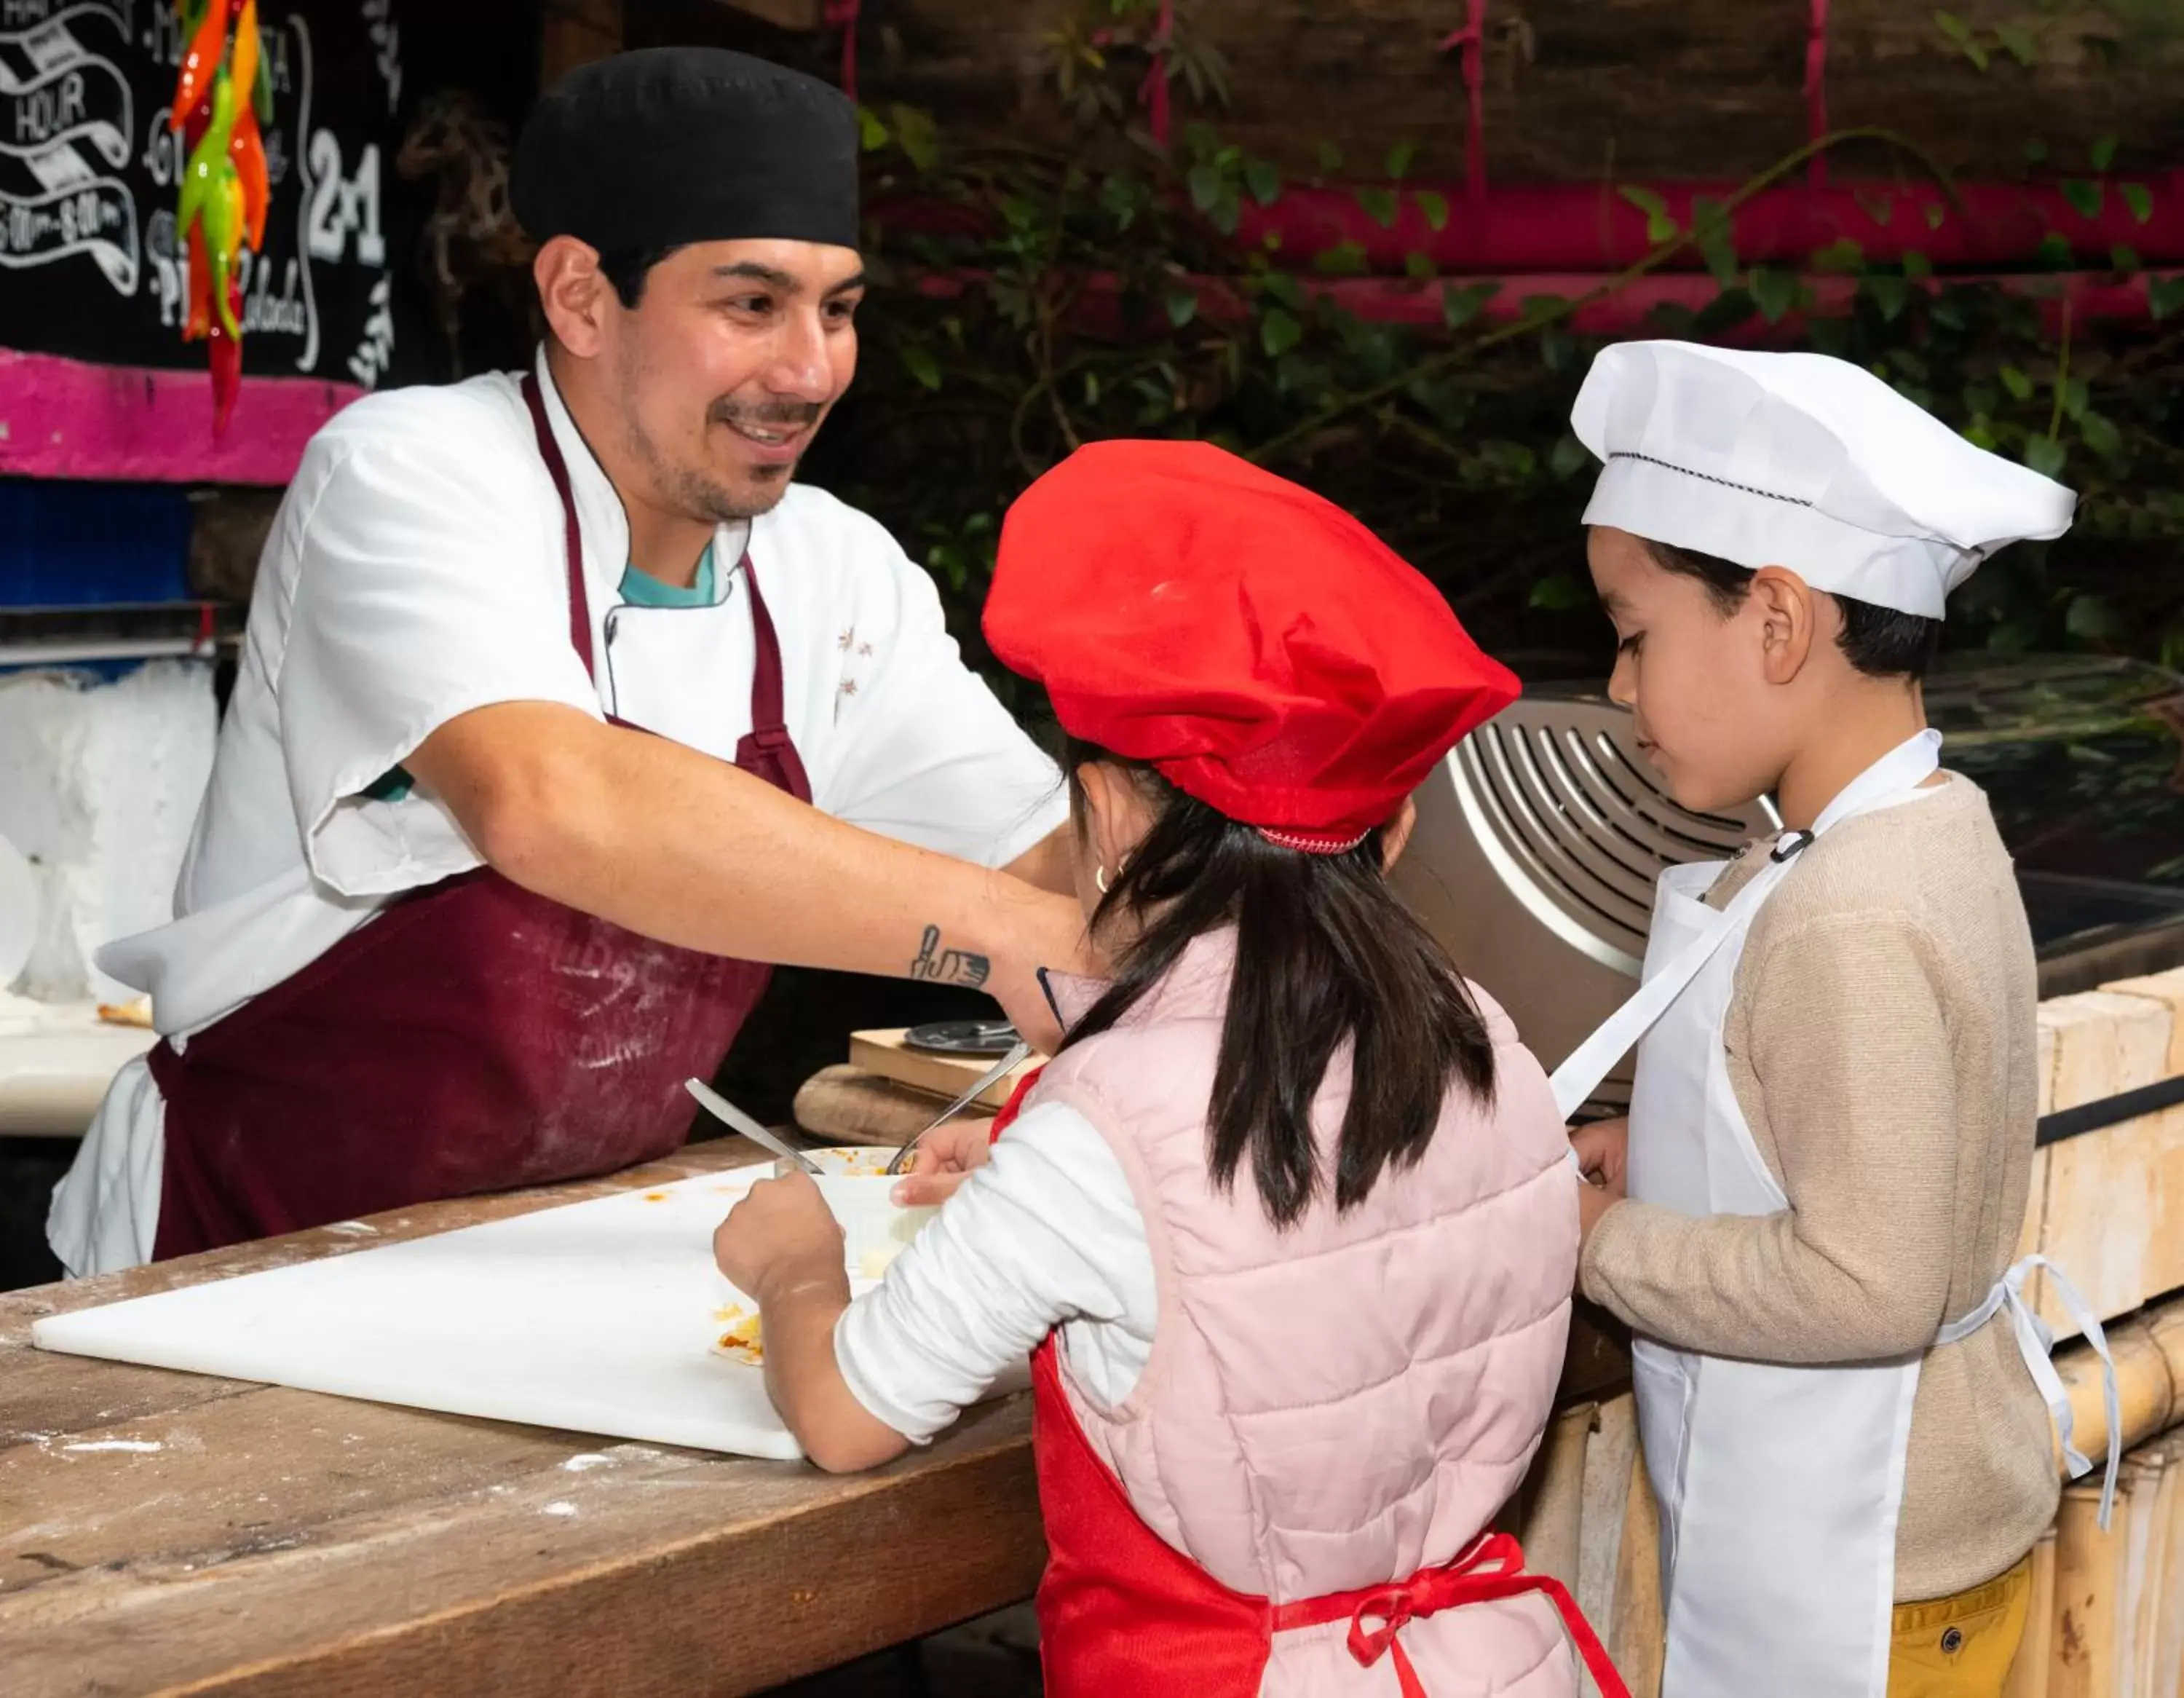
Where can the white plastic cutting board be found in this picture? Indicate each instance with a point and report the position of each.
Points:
(597, 1317)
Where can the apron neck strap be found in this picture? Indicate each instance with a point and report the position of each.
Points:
(1907, 765)
(549, 450)
(768, 723)
(767, 718)
(767, 743)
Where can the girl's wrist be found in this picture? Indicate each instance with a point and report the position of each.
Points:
(796, 1279)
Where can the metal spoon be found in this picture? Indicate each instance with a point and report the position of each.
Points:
(722, 1109)
(999, 1070)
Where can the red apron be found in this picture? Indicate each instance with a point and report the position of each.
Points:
(1121, 1611)
(473, 1036)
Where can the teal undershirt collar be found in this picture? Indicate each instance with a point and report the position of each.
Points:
(643, 589)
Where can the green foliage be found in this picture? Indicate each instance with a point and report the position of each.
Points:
(1659, 226)
(1963, 35)
(1095, 290)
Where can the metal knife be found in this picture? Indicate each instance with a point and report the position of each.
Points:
(993, 1075)
(722, 1109)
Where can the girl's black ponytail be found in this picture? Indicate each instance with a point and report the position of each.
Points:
(1325, 953)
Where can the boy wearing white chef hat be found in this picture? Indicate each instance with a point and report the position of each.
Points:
(1830, 1136)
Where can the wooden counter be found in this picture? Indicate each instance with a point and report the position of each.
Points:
(165, 1532)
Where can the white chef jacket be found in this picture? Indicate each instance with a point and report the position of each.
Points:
(416, 571)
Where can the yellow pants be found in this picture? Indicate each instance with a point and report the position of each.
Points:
(1961, 1647)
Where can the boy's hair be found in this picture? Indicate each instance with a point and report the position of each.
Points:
(1879, 641)
(1325, 955)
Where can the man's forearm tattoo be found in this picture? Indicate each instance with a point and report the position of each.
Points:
(948, 966)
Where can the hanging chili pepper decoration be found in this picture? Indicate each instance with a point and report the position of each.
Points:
(219, 94)
(1816, 89)
(842, 14)
(1471, 42)
(1153, 92)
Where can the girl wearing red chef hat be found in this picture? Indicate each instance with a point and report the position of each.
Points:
(1287, 1226)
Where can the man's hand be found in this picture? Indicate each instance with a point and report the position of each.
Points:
(781, 1237)
(943, 1160)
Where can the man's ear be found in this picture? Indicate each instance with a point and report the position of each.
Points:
(575, 294)
(1789, 613)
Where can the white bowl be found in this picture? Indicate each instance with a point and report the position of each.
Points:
(876, 1229)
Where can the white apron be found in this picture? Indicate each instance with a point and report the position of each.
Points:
(1778, 1485)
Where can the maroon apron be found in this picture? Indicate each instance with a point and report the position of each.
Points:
(472, 1037)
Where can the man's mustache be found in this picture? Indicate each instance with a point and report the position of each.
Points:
(765, 415)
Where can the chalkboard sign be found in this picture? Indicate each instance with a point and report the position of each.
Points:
(89, 265)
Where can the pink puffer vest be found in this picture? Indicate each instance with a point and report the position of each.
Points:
(1347, 1402)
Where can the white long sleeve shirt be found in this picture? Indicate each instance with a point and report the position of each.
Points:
(1046, 1234)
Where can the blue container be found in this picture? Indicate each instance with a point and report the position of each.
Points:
(67, 543)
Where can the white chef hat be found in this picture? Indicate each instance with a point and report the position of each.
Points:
(1801, 461)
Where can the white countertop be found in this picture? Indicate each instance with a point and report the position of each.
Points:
(56, 1061)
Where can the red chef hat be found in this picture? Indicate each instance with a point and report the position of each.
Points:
(1262, 649)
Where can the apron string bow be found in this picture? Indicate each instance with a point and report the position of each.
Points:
(2036, 1339)
(1492, 1569)
(1424, 1594)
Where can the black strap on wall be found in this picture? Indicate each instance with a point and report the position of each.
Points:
(2110, 1111)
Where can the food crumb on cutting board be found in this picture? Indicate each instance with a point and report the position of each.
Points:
(742, 1339)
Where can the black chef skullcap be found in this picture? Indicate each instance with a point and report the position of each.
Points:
(655, 149)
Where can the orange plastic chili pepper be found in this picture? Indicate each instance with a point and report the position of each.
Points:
(206, 50)
(248, 52)
(248, 150)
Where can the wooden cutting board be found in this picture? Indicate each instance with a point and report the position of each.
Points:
(847, 1105)
(947, 1077)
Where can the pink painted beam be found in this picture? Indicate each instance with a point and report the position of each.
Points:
(1627, 312)
(1569, 227)
(67, 418)
(1588, 226)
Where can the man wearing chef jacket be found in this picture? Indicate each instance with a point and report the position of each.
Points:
(562, 711)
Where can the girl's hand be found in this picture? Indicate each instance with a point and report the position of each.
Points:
(943, 1160)
(781, 1234)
